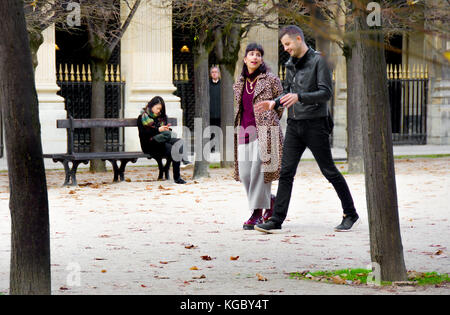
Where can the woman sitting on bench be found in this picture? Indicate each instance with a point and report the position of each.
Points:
(157, 139)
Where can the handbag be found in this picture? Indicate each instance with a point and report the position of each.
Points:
(163, 137)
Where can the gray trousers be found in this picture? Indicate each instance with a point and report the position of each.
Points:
(249, 162)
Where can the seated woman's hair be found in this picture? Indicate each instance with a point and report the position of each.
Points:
(155, 101)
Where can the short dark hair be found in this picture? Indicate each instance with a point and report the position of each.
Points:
(292, 31)
(251, 47)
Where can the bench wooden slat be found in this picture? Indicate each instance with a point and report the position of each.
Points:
(97, 155)
(103, 122)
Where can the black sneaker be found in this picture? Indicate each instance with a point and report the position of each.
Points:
(180, 181)
(347, 223)
(185, 162)
(269, 227)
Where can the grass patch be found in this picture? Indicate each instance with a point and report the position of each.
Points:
(359, 276)
(428, 156)
(214, 165)
(428, 278)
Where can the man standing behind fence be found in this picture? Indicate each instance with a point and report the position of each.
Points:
(307, 88)
(214, 99)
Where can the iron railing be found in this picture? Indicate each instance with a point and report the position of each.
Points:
(185, 91)
(76, 88)
(408, 93)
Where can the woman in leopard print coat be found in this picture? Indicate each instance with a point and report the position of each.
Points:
(258, 140)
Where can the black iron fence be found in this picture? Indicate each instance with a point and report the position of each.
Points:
(185, 91)
(76, 88)
(408, 93)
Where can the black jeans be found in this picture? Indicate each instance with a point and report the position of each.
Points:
(175, 157)
(313, 134)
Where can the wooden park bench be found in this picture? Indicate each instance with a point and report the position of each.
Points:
(76, 158)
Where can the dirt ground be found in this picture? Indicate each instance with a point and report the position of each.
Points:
(144, 236)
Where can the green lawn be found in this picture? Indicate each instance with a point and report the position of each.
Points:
(359, 276)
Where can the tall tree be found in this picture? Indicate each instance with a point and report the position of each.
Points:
(39, 15)
(355, 155)
(219, 26)
(201, 84)
(30, 237)
(228, 39)
(381, 192)
(105, 30)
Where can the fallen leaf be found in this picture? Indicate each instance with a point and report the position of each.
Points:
(190, 246)
(103, 270)
(163, 262)
(155, 266)
(261, 277)
(338, 280)
(199, 277)
(206, 257)
(193, 268)
(143, 286)
(234, 257)
(439, 252)
(63, 288)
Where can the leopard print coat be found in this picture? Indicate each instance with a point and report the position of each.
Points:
(270, 136)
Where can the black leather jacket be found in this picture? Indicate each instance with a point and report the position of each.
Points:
(310, 78)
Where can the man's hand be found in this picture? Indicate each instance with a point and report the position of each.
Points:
(289, 99)
(264, 105)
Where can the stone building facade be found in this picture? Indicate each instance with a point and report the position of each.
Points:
(146, 65)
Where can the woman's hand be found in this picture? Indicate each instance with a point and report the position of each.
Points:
(164, 128)
(264, 105)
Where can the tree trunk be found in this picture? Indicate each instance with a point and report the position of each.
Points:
(227, 51)
(381, 193)
(98, 111)
(227, 117)
(30, 237)
(100, 55)
(201, 82)
(36, 40)
(355, 157)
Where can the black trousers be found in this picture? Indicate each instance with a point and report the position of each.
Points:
(313, 134)
(174, 159)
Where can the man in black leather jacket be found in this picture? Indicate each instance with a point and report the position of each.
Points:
(307, 88)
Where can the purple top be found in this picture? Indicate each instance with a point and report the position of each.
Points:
(247, 133)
